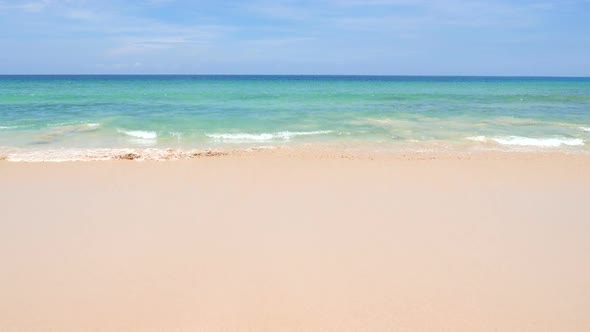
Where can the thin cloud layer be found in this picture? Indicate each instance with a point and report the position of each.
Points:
(296, 37)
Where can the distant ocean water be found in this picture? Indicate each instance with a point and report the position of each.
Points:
(98, 117)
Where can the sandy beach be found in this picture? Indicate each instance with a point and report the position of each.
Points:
(269, 241)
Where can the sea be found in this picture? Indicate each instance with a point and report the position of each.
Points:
(87, 117)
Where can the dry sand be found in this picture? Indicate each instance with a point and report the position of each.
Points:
(270, 242)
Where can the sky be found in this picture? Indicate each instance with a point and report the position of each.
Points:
(360, 37)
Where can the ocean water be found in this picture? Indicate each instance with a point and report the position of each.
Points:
(97, 117)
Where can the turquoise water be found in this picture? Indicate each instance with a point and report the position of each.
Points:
(48, 114)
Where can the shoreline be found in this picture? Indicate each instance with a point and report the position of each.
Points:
(307, 151)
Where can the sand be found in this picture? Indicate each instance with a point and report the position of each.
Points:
(298, 242)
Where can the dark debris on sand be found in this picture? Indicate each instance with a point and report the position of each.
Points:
(128, 156)
(208, 154)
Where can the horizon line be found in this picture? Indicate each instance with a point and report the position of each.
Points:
(311, 75)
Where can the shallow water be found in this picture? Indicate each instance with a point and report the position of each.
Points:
(43, 115)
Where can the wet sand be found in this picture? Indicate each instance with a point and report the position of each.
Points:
(297, 242)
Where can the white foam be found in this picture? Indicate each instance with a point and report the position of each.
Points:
(14, 127)
(288, 134)
(528, 141)
(585, 129)
(242, 137)
(282, 135)
(65, 155)
(62, 155)
(146, 135)
(477, 138)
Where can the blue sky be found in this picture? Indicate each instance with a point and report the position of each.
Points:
(388, 37)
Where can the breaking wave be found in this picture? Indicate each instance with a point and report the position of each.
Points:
(528, 141)
(141, 134)
(283, 135)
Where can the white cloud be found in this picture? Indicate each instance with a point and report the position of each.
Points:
(279, 41)
(410, 14)
(119, 66)
(28, 6)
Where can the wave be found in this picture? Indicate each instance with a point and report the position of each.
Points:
(59, 127)
(73, 124)
(58, 132)
(585, 129)
(15, 127)
(145, 135)
(80, 128)
(529, 141)
(282, 135)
